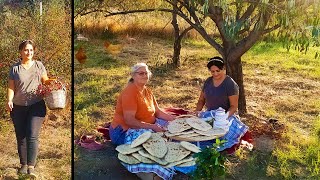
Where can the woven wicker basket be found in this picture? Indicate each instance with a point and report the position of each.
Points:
(56, 99)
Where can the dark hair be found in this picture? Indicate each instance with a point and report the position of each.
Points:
(24, 43)
(216, 61)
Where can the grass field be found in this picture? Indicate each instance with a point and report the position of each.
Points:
(279, 84)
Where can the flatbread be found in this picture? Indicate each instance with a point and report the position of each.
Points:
(187, 159)
(160, 133)
(128, 159)
(190, 147)
(189, 163)
(178, 125)
(194, 138)
(144, 153)
(168, 134)
(142, 158)
(211, 132)
(188, 135)
(156, 146)
(199, 124)
(141, 139)
(185, 116)
(126, 149)
(201, 138)
(175, 152)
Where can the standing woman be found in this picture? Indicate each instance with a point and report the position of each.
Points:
(27, 109)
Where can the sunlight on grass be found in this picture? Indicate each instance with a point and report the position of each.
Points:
(4, 127)
(302, 150)
(82, 122)
(268, 69)
(271, 112)
(280, 59)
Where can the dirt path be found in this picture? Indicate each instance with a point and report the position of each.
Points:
(103, 164)
(54, 149)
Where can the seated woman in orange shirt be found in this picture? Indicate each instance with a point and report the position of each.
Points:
(137, 110)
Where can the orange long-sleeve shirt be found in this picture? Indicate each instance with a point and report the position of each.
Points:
(130, 99)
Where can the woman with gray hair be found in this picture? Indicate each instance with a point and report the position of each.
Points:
(137, 110)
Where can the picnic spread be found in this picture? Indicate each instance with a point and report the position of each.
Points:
(154, 152)
(143, 149)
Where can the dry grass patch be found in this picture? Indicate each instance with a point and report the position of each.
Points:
(54, 158)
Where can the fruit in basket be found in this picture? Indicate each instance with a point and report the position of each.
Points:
(54, 93)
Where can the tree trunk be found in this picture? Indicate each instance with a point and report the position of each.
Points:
(176, 52)
(177, 38)
(234, 70)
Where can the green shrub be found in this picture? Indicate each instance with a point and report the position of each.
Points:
(51, 33)
(210, 163)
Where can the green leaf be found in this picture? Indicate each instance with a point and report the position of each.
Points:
(315, 32)
(216, 162)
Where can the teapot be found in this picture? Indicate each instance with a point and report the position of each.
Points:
(221, 120)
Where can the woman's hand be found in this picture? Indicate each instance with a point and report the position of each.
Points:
(197, 113)
(157, 128)
(171, 117)
(9, 106)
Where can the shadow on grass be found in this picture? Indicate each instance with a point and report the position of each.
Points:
(102, 164)
(258, 165)
(161, 72)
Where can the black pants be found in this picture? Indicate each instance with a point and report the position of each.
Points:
(27, 122)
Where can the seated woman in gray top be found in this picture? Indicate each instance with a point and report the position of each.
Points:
(27, 109)
(221, 91)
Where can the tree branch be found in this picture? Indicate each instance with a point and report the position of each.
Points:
(86, 7)
(271, 29)
(202, 31)
(137, 11)
(184, 32)
(92, 11)
(215, 14)
(246, 43)
(248, 12)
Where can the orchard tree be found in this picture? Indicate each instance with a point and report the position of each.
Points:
(242, 23)
(237, 24)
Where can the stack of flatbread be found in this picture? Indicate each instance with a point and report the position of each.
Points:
(151, 148)
(192, 129)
